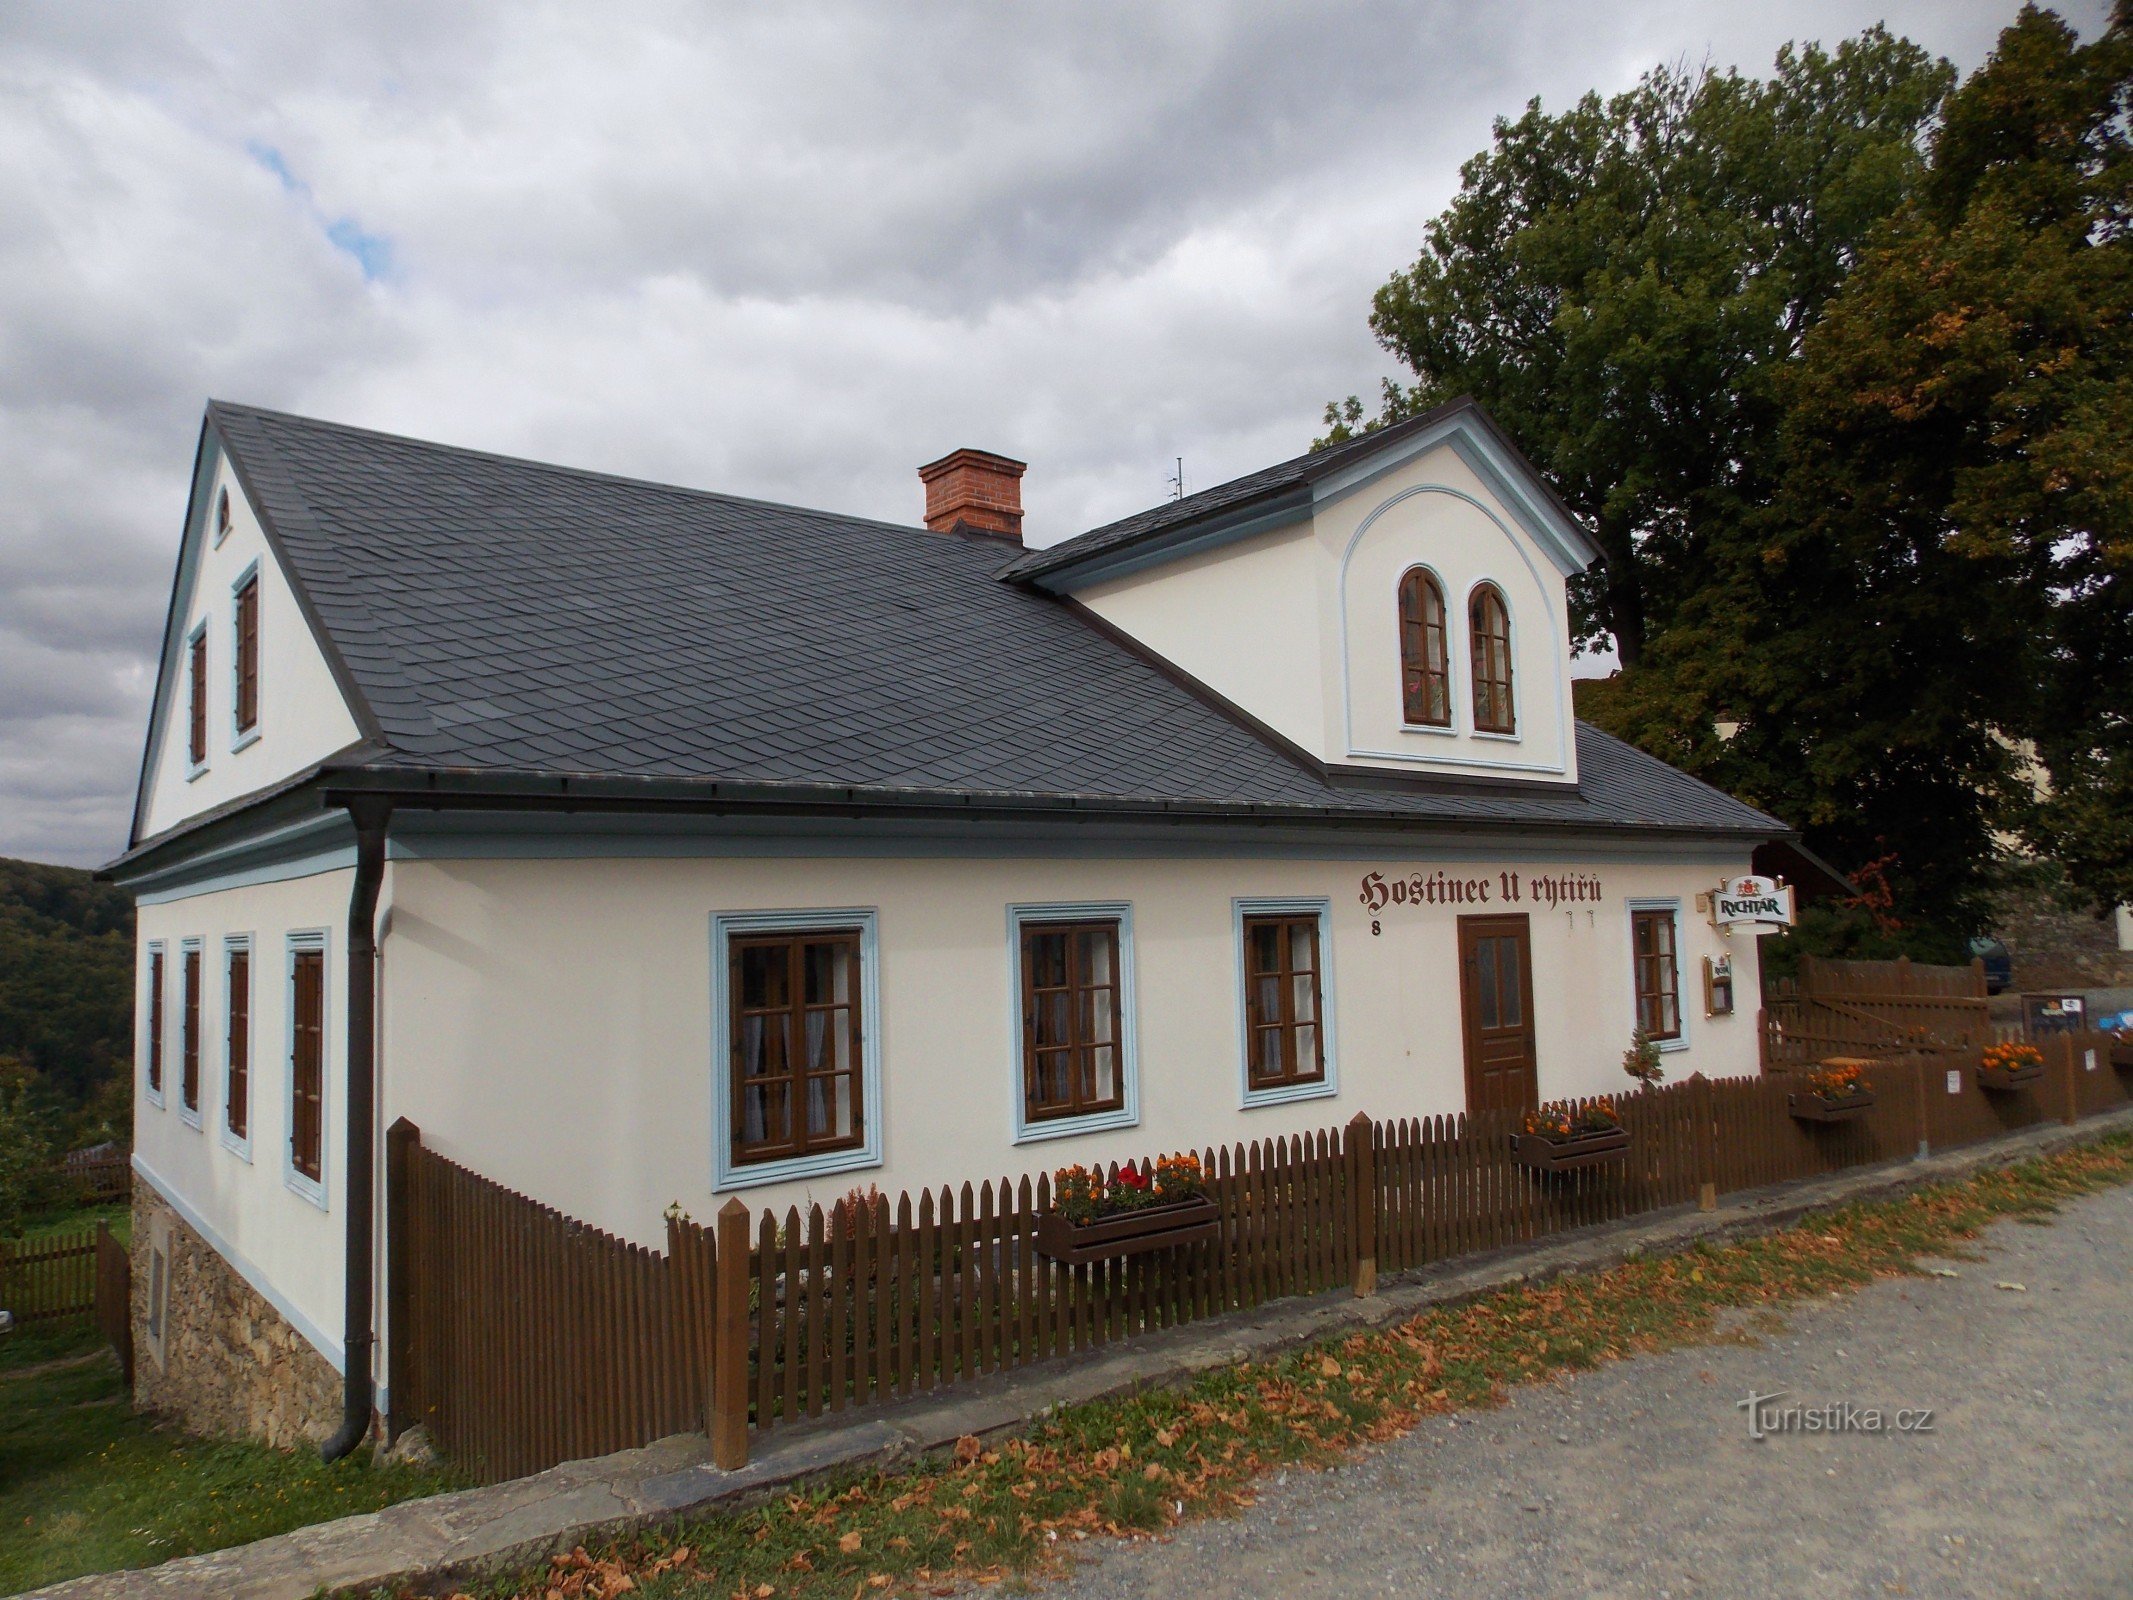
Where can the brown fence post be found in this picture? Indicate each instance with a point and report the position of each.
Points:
(1363, 1202)
(2073, 1081)
(729, 1342)
(402, 1139)
(1706, 1145)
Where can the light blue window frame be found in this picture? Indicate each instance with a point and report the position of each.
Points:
(727, 1174)
(150, 1045)
(241, 737)
(1681, 998)
(1328, 1086)
(300, 940)
(232, 944)
(1128, 1115)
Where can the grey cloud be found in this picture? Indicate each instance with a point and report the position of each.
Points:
(787, 251)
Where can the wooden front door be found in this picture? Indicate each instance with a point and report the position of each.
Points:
(1496, 1000)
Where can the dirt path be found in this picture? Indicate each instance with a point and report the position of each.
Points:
(1641, 1480)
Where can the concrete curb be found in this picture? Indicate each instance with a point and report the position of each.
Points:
(434, 1542)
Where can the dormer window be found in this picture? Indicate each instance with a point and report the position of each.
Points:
(1489, 628)
(1425, 652)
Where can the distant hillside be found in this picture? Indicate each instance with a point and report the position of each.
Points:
(66, 986)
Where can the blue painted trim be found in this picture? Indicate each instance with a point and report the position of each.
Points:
(149, 951)
(1630, 908)
(231, 944)
(243, 738)
(1566, 733)
(730, 1175)
(325, 843)
(585, 837)
(1128, 1115)
(195, 1117)
(1292, 509)
(312, 1190)
(1328, 1087)
(211, 1236)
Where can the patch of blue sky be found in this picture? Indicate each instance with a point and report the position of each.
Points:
(372, 252)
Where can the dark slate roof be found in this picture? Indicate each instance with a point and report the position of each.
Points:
(1264, 487)
(496, 616)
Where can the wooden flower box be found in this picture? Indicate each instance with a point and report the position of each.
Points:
(1129, 1233)
(1808, 1106)
(1543, 1154)
(2007, 1080)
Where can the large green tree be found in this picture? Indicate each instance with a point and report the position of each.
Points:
(1620, 284)
(1890, 550)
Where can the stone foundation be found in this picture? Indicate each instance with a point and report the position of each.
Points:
(231, 1365)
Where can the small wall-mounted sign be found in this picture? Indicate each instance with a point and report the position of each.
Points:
(1752, 902)
(1718, 986)
(2046, 1014)
(1955, 1080)
(2088, 1059)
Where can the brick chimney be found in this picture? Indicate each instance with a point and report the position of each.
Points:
(976, 491)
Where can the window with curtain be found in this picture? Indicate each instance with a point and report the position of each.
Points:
(796, 1077)
(1286, 1044)
(1658, 976)
(1072, 1021)
(1425, 652)
(1489, 626)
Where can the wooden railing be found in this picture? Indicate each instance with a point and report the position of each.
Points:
(523, 1338)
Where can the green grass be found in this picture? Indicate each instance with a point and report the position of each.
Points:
(84, 1220)
(1131, 1468)
(86, 1485)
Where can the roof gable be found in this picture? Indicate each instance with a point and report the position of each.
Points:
(1297, 489)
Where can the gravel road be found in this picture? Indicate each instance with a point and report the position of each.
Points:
(1641, 1480)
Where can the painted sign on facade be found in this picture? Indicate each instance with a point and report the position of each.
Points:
(1485, 888)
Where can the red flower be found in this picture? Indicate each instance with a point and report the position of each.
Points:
(1131, 1178)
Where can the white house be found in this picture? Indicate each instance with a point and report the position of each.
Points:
(644, 846)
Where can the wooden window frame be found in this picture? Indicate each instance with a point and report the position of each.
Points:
(1484, 679)
(239, 1044)
(1324, 1083)
(196, 701)
(794, 943)
(192, 1007)
(222, 515)
(1641, 966)
(1420, 666)
(157, 1025)
(310, 1184)
(1124, 1109)
(729, 1169)
(244, 658)
(1085, 1040)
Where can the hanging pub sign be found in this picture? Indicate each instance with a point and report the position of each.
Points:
(1752, 902)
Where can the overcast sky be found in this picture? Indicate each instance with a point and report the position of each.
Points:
(788, 251)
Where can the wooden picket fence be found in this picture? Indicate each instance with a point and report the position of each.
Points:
(523, 1338)
(44, 1279)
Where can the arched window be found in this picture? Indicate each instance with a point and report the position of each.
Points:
(1489, 626)
(1425, 652)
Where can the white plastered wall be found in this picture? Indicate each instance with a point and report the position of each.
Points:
(1300, 626)
(303, 717)
(548, 1022)
(286, 1244)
